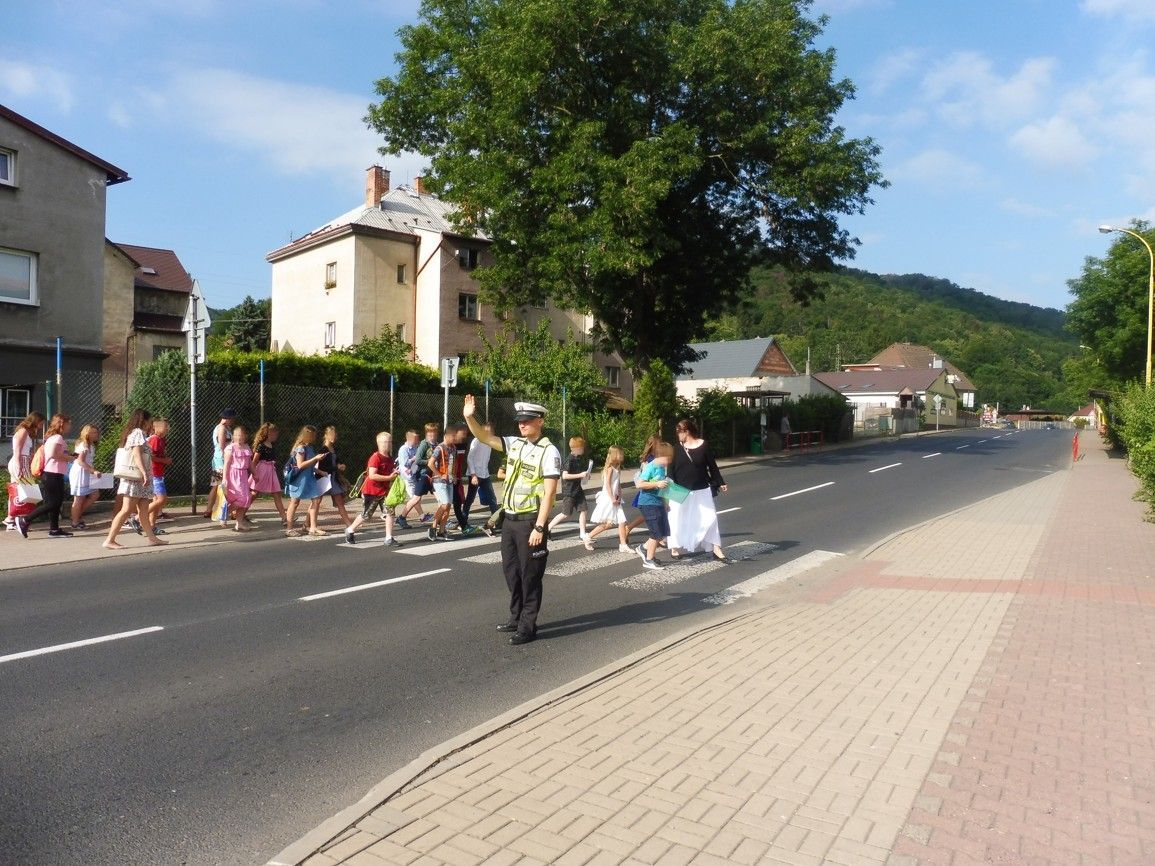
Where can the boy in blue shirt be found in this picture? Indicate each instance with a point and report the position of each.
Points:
(651, 479)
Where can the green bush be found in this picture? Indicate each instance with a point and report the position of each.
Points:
(1134, 430)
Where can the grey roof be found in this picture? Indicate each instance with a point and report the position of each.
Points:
(880, 381)
(727, 359)
(402, 210)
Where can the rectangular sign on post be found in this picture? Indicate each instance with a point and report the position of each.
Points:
(449, 372)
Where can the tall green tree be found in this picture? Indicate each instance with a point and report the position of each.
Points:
(656, 399)
(632, 158)
(535, 365)
(249, 325)
(1109, 312)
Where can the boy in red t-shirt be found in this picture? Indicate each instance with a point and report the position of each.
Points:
(158, 444)
(379, 474)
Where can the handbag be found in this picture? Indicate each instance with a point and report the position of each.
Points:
(397, 493)
(27, 492)
(125, 467)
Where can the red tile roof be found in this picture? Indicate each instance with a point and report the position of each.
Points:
(913, 355)
(158, 269)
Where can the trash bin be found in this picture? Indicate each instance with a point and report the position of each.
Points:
(755, 444)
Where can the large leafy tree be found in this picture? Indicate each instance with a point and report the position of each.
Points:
(632, 158)
(1109, 312)
(248, 325)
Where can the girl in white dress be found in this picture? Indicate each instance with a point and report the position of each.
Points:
(608, 509)
(81, 473)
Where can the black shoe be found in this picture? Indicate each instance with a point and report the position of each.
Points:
(350, 537)
(520, 638)
(22, 526)
(507, 626)
(134, 523)
(59, 533)
(431, 534)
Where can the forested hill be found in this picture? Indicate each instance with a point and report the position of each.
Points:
(1013, 352)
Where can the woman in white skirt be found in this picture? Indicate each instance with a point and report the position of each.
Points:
(608, 511)
(694, 522)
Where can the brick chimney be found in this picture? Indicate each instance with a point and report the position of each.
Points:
(376, 185)
(420, 181)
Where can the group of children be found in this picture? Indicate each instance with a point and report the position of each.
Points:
(608, 511)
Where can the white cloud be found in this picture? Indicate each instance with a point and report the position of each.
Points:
(119, 115)
(1131, 10)
(1056, 142)
(966, 89)
(24, 81)
(893, 68)
(1026, 209)
(298, 128)
(938, 169)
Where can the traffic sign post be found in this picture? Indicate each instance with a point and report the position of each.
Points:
(448, 380)
(195, 326)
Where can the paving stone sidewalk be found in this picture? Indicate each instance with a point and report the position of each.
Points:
(980, 689)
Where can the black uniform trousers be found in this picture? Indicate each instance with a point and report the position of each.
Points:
(524, 568)
(52, 487)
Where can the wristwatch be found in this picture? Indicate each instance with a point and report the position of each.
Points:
(537, 527)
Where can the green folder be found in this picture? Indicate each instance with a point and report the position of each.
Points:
(674, 492)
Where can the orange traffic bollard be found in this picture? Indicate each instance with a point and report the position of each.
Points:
(1075, 448)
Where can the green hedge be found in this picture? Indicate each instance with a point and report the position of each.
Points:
(1134, 429)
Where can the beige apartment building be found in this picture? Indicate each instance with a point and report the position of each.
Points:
(397, 262)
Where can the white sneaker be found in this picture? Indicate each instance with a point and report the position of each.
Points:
(640, 550)
(583, 537)
(625, 548)
(652, 565)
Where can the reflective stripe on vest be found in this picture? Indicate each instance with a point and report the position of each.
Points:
(524, 479)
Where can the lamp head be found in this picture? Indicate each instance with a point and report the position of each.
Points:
(1107, 229)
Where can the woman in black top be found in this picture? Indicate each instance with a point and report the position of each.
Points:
(694, 522)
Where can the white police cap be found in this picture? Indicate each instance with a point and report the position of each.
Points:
(527, 411)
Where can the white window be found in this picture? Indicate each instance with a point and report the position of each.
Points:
(401, 273)
(467, 306)
(613, 376)
(330, 276)
(18, 277)
(7, 167)
(330, 335)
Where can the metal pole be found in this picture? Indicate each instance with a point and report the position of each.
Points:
(445, 410)
(60, 392)
(563, 436)
(392, 398)
(192, 403)
(262, 370)
(487, 400)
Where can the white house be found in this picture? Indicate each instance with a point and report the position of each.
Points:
(750, 368)
(397, 262)
(877, 393)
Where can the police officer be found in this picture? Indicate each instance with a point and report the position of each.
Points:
(533, 467)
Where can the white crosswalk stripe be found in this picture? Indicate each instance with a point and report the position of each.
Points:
(693, 567)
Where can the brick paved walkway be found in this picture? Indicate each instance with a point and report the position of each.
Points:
(978, 689)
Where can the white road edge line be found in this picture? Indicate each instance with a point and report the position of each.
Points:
(796, 492)
(928, 456)
(887, 466)
(373, 585)
(79, 643)
(728, 510)
(793, 568)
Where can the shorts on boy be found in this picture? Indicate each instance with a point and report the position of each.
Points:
(443, 492)
(369, 504)
(657, 521)
(574, 502)
(158, 486)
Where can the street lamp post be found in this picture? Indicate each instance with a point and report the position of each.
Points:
(1150, 287)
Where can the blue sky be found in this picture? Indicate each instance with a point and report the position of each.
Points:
(1010, 130)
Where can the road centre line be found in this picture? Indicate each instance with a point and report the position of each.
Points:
(961, 447)
(79, 643)
(804, 490)
(728, 510)
(935, 454)
(887, 466)
(373, 585)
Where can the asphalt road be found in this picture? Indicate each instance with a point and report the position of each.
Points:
(253, 715)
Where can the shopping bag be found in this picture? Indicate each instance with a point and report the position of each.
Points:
(125, 467)
(27, 493)
(15, 507)
(324, 484)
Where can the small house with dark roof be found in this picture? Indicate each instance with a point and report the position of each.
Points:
(146, 295)
(755, 368)
(883, 392)
(898, 356)
(52, 216)
(398, 261)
